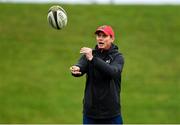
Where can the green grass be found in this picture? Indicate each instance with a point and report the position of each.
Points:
(35, 82)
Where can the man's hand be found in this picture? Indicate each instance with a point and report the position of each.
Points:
(88, 53)
(75, 70)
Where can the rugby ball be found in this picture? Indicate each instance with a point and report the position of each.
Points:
(57, 17)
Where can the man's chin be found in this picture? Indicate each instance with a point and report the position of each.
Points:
(100, 47)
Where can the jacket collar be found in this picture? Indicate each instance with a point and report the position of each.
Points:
(112, 49)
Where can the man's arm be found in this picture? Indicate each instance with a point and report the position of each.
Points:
(113, 70)
(80, 68)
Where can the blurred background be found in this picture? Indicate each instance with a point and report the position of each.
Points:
(35, 82)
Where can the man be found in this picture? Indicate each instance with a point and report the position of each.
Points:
(103, 67)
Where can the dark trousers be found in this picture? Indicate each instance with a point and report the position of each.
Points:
(114, 120)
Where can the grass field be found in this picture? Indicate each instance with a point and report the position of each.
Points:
(35, 82)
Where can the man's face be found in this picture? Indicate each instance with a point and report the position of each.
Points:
(104, 41)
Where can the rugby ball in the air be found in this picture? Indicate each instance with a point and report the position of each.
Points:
(57, 17)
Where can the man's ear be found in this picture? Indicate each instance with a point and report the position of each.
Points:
(112, 39)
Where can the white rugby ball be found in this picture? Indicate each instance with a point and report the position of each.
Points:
(57, 17)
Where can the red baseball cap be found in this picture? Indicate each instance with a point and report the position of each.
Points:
(106, 30)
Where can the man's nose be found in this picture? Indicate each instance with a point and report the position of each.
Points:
(100, 39)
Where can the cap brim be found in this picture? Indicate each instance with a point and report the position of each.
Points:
(100, 30)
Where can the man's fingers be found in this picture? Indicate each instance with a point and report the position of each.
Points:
(85, 50)
(74, 68)
(76, 72)
(81, 52)
(71, 68)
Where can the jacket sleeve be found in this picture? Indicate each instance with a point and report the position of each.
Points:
(82, 64)
(113, 70)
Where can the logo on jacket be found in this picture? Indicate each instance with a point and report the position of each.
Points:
(108, 61)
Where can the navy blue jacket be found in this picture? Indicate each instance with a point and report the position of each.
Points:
(103, 83)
